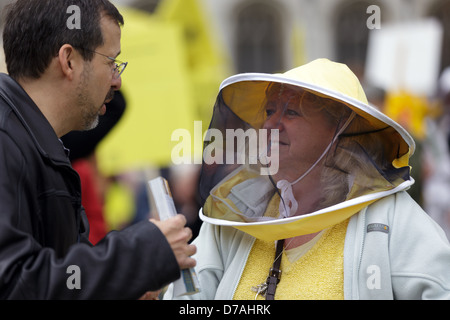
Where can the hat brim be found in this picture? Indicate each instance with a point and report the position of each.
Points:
(272, 230)
(253, 86)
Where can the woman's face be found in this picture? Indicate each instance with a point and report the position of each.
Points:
(305, 131)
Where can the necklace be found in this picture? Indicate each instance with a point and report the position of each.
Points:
(267, 289)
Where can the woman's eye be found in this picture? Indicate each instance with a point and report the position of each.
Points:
(269, 112)
(291, 112)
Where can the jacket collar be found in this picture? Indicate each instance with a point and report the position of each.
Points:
(33, 120)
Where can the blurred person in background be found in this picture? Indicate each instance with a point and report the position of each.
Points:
(60, 80)
(436, 189)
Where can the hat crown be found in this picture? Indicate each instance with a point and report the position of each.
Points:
(329, 75)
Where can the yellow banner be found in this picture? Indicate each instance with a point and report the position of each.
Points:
(158, 92)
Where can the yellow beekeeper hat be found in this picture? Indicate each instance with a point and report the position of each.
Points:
(245, 93)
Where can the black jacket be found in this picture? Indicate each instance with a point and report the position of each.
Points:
(44, 229)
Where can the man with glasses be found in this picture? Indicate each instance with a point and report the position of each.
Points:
(60, 80)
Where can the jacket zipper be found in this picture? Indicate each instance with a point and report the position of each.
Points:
(239, 274)
(363, 235)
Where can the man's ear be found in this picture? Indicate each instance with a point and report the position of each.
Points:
(67, 60)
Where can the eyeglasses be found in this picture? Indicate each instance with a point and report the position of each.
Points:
(119, 66)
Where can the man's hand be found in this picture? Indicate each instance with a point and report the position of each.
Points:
(150, 295)
(178, 236)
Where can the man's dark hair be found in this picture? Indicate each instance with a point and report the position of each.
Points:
(35, 30)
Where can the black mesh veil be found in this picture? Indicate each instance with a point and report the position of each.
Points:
(279, 151)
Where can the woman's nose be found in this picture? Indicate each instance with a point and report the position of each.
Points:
(274, 122)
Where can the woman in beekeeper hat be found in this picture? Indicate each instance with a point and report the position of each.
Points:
(322, 211)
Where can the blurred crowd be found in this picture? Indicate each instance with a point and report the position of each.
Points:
(428, 121)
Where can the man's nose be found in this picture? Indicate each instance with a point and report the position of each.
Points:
(116, 83)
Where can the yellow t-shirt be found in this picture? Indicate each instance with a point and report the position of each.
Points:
(318, 274)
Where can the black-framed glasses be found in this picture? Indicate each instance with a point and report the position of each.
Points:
(119, 66)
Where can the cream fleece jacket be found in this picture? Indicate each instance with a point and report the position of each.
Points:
(393, 250)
